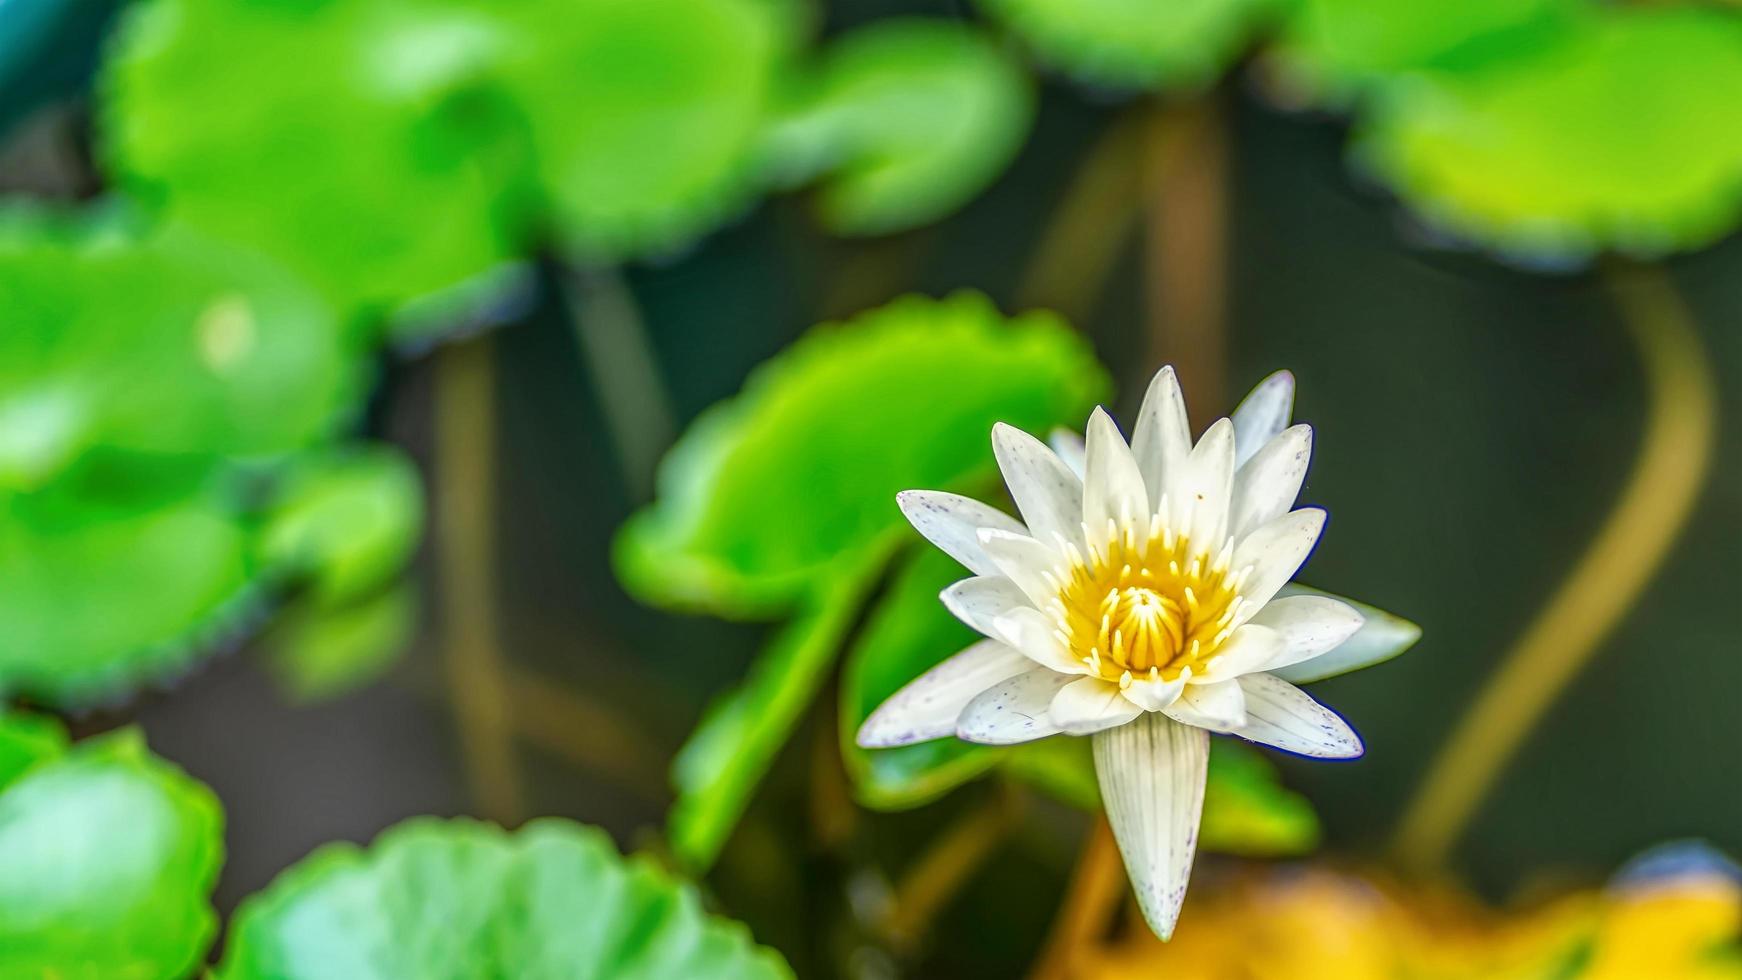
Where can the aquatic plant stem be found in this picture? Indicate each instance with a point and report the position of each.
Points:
(1069, 267)
(465, 473)
(947, 864)
(619, 358)
(1608, 579)
(1096, 885)
(1186, 244)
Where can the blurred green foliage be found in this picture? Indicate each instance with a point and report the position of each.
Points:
(107, 857)
(455, 899)
(1136, 44)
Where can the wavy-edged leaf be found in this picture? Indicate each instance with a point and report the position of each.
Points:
(737, 739)
(167, 343)
(1621, 135)
(1331, 51)
(155, 584)
(1136, 44)
(453, 900)
(345, 522)
(107, 858)
(1382, 636)
(393, 171)
(802, 467)
(907, 119)
(645, 116)
(320, 651)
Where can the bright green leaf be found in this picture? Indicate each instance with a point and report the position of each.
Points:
(768, 488)
(27, 739)
(737, 740)
(1622, 135)
(454, 900)
(645, 115)
(1136, 44)
(908, 119)
(1248, 812)
(393, 171)
(107, 858)
(320, 651)
(160, 583)
(345, 522)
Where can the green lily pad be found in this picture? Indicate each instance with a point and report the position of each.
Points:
(163, 582)
(768, 488)
(28, 739)
(1619, 136)
(451, 900)
(644, 116)
(907, 119)
(1332, 51)
(319, 651)
(164, 344)
(393, 171)
(108, 856)
(345, 522)
(1136, 44)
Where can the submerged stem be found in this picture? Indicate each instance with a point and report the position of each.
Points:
(465, 470)
(1093, 895)
(947, 865)
(619, 357)
(1607, 581)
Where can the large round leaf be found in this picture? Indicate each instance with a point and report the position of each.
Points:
(345, 522)
(356, 141)
(802, 467)
(1621, 135)
(908, 119)
(162, 344)
(99, 598)
(107, 858)
(455, 900)
(644, 115)
(1138, 44)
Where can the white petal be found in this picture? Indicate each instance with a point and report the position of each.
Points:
(1199, 492)
(928, 706)
(1156, 695)
(1089, 704)
(1274, 553)
(1381, 637)
(1022, 560)
(953, 522)
(980, 600)
(1112, 487)
(1266, 487)
(1034, 633)
(1251, 648)
(1282, 715)
(1152, 775)
(1069, 448)
(1308, 625)
(1219, 707)
(1047, 493)
(1013, 710)
(1162, 438)
(1262, 414)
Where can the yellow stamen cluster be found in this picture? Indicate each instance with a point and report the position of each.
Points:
(1145, 603)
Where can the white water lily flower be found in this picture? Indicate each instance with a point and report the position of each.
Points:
(1137, 603)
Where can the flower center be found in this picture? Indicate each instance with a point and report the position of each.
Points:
(1146, 604)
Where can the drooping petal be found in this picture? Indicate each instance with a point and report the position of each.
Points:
(1047, 493)
(979, 600)
(1013, 710)
(1381, 637)
(1156, 695)
(1274, 552)
(1112, 486)
(1308, 625)
(1152, 775)
(1199, 492)
(1251, 648)
(1282, 715)
(1262, 414)
(953, 523)
(1089, 704)
(1022, 560)
(1266, 487)
(1030, 631)
(1069, 448)
(928, 706)
(1162, 438)
(1219, 707)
